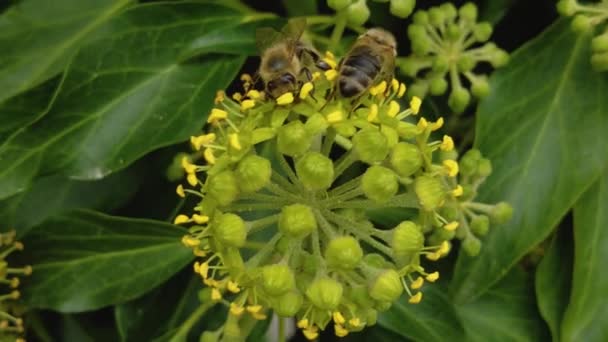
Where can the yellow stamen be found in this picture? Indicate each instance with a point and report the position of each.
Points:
(416, 284)
(217, 115)
(233, 287)
(340, 330)
(331, 74)
(254, 308)
(316, 75)
(209, 157)
(444, 248)
(335, 116)
(451, 167)
(200, 219)
(393, 109)
(354, 322)
(331, 62)
(204, 270)
(181, 219)
(415, 104)
(180, 191)
(373, 113)
(433, 277)
(437, 124)
(216, 295)
(451, 226)
(254, 94)
(305, 90)
(285, 99)
(311, 333)
(458, 191)
(188, 166)
(246, 78)
(447, 144)
(246, 104)
(303, 323)
(330, 55)
(395, 85)
(192, 180)
(236, 310)
(338, 318)
(259, 316)
(378, 89)
(219, 97)
(237, 96)
(401, 91)
(422, 124)
(415, 299)
(234, 141)
(433, 256)
(199, 252)
(190, 241)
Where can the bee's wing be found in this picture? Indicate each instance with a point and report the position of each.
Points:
(265, 37)
(292, 32)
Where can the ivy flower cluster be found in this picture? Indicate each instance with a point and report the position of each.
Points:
(590, 16)
(284, 186)
(11, 325)
(357, 12)
(445, 48)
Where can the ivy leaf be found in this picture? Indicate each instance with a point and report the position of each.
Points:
(84, 260)
(126, 94)
(433, 319)
(504, 313)
(585, 317)
(554, 278)
(544, 128)
(38, 37)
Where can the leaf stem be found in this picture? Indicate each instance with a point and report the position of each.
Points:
(184, 329)
(338, 31)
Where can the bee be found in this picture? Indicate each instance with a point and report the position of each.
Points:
(371, 59)
(285, 58)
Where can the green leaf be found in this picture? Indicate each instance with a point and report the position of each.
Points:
(85, 260)
(38, 37)
(300, 7)
(544, 128)
(125, 95)
(585, 317)
(494, 10)
(553, 279)
(504, 313)
(433, 319)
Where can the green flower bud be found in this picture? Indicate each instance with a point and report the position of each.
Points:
(382, 305)
(453, 32)
(343, 253)
(599, 61)
(315, 171)
(449, 10)
(566, 7)
(468, 12)
(338, 5)
(444, 235)
(345, 129)
(581, 23)
(436, 16)
(316, 124)
(445, 155)
(600, 43)
(402, 8)
(253, 173)
(405, 159)
(371, 317)
(484, 168)
(288, 304)
(466, 63)
(499, 58)
(379, 183)
(358, 13)
(374, 260)
(471, 245)
(430, 192)
(421, 46)
(501, 213)
(277, 279)
(469, 161)
(392, 137)
(421, 18)
(293, 139)
(406, 130)
(441, 64)
(482, 32)
(175, 171)
(223, 187)
(418, 89)
(297, 220)
(325, 293)
(438, 86)
(480, 224)
(459, 99)
(360, 295)
(409, 66)
(230, 230)
(386, 286)
(407, 242)
(480, 87)
(370, 145)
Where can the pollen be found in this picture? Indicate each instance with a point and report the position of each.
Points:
(237, 96)
(254, 308)
(209, 157)
(190, 241)
(217, 115)
(188, 166)
(305, 90)
(401, 91)
(201, 140)
(331, 62)
(444, 248)
(458, 191)
(246, 78)
(338, 318)
(415, 299)
(259, 316)
(216, 295)
(447, 144)
(204, 270)
(219, 97)
(422, 124)
(451, 226)
(340, 330)
(437, 124)
(181, 219)
(415, 104)
(236, 310)
(254, 94)
(433, 256)
(316, 75)
(335, 116)
(331, 74)
(354, 322)
(432, 277)
(395, 85)
(233, 287)
(378, 89)
(311, 333)
(393, 109)
(451, 167)
(416, 284)
(285, 99)
(303, 323)
(192, 180)
(180, 191)
(372, 116)
(200, 219)
(247, 104)
(234, 141)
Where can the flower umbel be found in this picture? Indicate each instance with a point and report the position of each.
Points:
(295, 190)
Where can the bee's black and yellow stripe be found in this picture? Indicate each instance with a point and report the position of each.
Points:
(357, 72)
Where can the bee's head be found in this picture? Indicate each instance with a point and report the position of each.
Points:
(280, 85)
(382, 38)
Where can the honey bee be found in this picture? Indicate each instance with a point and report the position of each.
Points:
(285, 58)
(371, 59)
